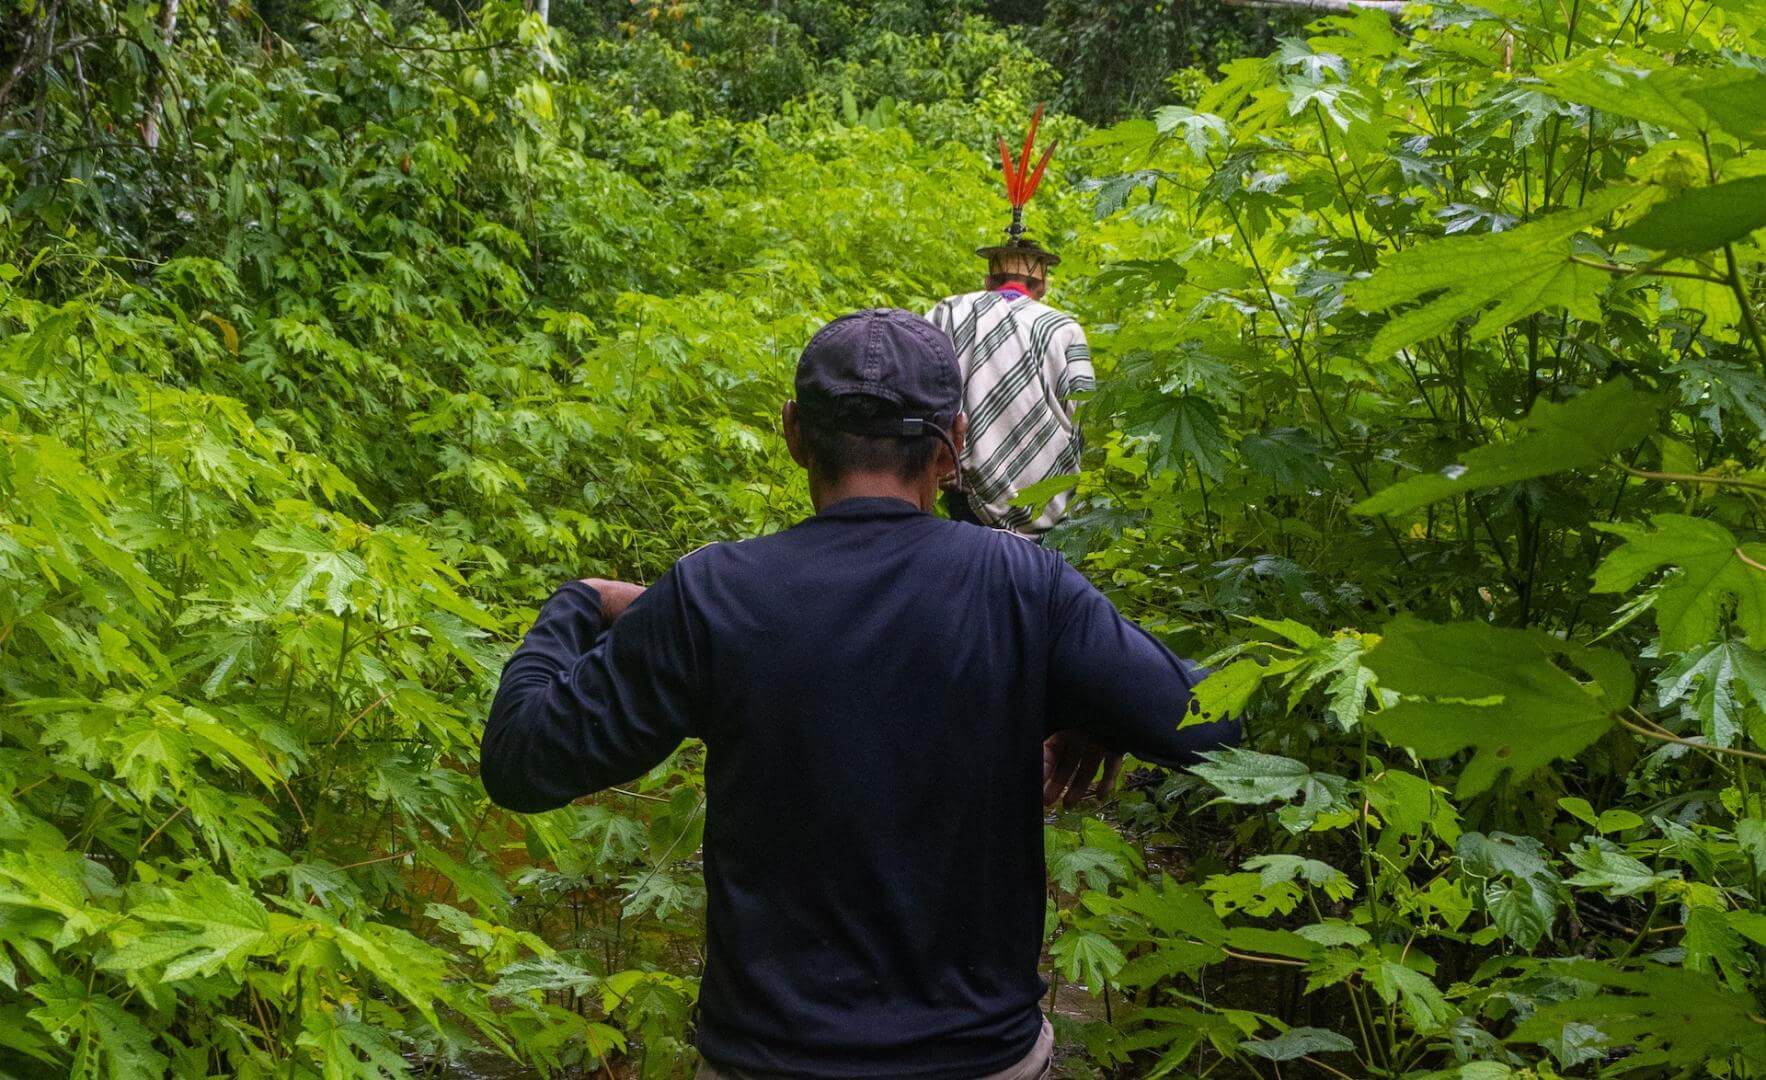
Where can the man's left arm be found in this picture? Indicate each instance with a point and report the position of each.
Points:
(1077, 374)
(584, 705)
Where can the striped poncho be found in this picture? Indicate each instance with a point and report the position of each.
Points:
(1022, 362)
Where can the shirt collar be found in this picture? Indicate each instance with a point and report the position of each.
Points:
(860, 506)
(1012, 288)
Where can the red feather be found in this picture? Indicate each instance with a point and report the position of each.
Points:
(1019, 198)
(1036, 177)
(1010, 172)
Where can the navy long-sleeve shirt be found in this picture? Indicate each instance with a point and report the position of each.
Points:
(873, 687)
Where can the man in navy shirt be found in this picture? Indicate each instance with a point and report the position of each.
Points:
(874, 687)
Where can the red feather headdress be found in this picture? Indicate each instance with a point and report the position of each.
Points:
(1021, 183)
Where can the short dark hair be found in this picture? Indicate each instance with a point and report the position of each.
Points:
(994, 281)
(838, 453)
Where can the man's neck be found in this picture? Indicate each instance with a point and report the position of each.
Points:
(872, 485)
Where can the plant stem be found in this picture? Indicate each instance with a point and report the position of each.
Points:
(1735, 750)
(1746, 302)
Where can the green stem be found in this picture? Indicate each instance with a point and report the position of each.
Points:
(1369, 880)
(1747, 305)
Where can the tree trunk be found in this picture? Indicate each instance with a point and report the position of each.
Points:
(543, 8)
(168, 29)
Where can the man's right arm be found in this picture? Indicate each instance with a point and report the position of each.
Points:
(583, 706)
(1120, 685)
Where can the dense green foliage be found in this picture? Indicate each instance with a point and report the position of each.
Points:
(1433, 395)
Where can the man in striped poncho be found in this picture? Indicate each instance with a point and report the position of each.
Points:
(1022, 363)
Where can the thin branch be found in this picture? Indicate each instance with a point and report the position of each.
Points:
(354, 719)
(1620, 268)
(381, 859)
(154, 835)
(1696, 478)
(1310, 1060)
(638, 795)
(1647, 733)
(1744, 300)
(1255, 959)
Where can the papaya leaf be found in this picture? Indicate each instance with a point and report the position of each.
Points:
(1711, 943)
(1685, 1016)
(1498, 277)
(1297, 1043)
(1713, 686)
(1686, 99)
(1581, 433)
(1414, 993)
(107, 1040)
(352, 1050)
(541, 973)
(210, 924)
(1700, 219)
(1690, 604)
(1087, 957)
(1501, 694)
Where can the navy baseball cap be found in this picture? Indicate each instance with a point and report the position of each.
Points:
(885, 353)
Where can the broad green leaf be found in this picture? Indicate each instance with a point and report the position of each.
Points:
(404, 963)
(209, 924)
(1278, 868)
(1502, 694)
(1582, 433)
(1087, 957)
(1332, 932)
(1520, 888)
(1253, 779)
(1497, 277)
(1409, 805)
(1260, 939)
(1297, 1043)
(352, 1050)
(1227, 690)
(1716, 686)
(1689, 99)
(106, 1040)
(1605, 867)
(1416, 995)
(1184, 427)
(542, 973)
(1686, 1016)
(1703, 218)
(1248, 894)
(1689, 605)
(1750, 835)
(1711, 943)
(1039, 493)
(1090, 866)
(1198, 131)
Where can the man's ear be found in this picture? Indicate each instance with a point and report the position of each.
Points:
(959, 437)
(793, 433)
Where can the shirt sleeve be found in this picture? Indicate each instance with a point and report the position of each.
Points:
(1117, 682)
(1077, 374)
(583, 707)
(940, 317)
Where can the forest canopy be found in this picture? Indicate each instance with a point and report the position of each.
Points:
(1432, 393)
